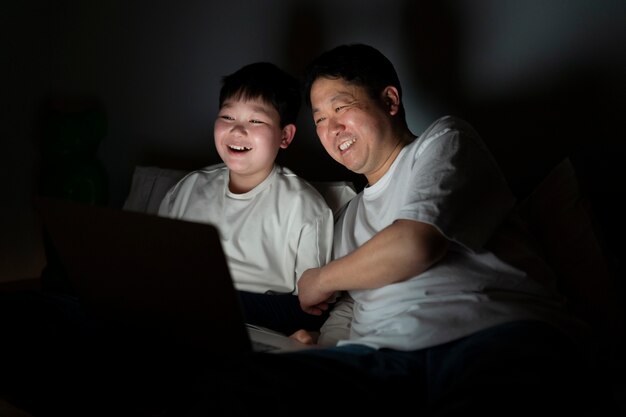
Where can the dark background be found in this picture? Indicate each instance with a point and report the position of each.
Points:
(102, 86)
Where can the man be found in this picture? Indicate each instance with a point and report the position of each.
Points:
(447, 309)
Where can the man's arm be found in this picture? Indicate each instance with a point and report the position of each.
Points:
(402, 250)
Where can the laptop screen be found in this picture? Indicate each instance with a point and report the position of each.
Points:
(165, 279)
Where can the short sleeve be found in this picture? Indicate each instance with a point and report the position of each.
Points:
(456, 185)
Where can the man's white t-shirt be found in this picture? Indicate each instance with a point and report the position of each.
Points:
(446, 178)
(270, 235)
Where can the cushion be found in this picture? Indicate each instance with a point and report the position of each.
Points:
(336, 193)
(150, 183)
(148, 187)
(561, 218)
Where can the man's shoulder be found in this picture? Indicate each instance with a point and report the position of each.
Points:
(442, 123)
(446, 124)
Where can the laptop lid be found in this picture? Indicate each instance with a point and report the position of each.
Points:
(163, 279)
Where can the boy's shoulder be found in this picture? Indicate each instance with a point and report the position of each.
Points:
(296, 181)
(329, 194)
(210, 174)
(210, 171)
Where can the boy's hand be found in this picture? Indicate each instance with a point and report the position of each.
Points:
(306, 337)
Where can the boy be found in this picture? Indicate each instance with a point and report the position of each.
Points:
(273, 224)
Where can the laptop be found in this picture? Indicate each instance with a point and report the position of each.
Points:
(163, 279)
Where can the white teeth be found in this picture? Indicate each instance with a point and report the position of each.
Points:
(239, 148)
(345, 145)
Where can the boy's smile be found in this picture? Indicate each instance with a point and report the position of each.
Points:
(236, 148)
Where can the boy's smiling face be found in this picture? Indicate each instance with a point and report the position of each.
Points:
(247, 136)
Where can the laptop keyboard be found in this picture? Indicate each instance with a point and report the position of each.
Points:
(262, 347)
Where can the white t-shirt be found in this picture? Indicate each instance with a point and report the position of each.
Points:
(270, 235)
(446, 178)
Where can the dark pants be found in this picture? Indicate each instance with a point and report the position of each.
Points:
(516, 369)
(54, 362)
(280, 312)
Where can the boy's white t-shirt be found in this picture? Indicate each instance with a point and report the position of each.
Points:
(473, 287)
(270, 235)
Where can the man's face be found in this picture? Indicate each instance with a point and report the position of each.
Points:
(355, 130)
(247, 136)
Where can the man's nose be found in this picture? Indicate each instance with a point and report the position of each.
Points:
(334, 126)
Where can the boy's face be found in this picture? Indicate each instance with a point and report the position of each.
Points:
(248, 136)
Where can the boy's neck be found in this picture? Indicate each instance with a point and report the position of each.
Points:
(242, 183)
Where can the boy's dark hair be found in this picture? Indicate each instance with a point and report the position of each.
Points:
(358, 64)
(266, 81)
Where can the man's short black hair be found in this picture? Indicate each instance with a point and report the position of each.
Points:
(358, 64)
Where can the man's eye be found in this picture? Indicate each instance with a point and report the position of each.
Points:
(339, 108)
(225, 117)
(318, 121)
(256, 122)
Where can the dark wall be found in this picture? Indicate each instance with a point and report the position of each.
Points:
(540, 80)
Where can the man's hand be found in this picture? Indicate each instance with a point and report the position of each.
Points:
(313, 299)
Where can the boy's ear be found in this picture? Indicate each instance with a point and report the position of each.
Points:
(288, 133)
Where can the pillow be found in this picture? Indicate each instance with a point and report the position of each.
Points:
(336, 193)
(560, 217)
(150, 184)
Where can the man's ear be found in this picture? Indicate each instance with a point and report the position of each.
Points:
(289, 131)
(391, 98)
